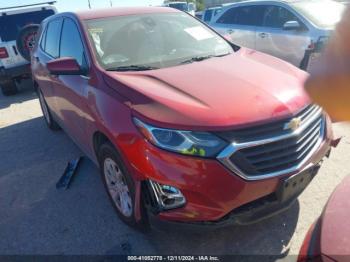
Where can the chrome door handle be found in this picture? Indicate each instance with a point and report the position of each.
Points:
(263, 35)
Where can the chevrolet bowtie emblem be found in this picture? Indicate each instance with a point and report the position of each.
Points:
(294, 124)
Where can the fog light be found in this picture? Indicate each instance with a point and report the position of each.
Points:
(167, 197)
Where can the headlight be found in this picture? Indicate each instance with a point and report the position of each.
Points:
(202, 144)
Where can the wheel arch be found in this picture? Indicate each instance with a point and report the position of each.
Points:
(99, 138)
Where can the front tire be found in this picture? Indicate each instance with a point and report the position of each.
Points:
(9, 88)
(51, 123)
(118, 183)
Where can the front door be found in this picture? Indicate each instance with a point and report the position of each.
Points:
(271, 38)
(70, 90)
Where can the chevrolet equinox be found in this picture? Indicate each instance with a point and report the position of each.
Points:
(184, 125)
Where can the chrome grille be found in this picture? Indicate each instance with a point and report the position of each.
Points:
(260, 154)
(264, 131)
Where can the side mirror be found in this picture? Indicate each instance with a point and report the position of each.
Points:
(64, 66)
(292, 25)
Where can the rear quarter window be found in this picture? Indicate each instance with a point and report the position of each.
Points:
(10, 25)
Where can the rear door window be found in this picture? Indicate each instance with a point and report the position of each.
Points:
(53, 32)
(244, 15)
(10, 25)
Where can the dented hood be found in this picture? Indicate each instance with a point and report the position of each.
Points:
(222, 92)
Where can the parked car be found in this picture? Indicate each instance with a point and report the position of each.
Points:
(13, 66)
(199, 14)
(328, 238)
(289, 30)
(211, 12)
(170, 112)
(183, 6)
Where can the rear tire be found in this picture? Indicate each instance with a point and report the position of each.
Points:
(51, 123)
(9, 88)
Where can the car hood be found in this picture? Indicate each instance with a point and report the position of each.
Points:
(335, 227)
(240, 89)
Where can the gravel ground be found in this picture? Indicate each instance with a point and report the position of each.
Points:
(35, 218)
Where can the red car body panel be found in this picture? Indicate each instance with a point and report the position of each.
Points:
(217, 93)
(329, 238)
(212, 191)
(335, 231)
(241, 89)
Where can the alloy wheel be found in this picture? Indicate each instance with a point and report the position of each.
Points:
(117, 187)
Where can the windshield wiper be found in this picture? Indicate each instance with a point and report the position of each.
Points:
(200, 58)
(132, 68)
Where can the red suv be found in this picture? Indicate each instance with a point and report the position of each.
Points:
(185, 126)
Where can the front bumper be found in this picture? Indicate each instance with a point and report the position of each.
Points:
(214, 195)
(250, 213)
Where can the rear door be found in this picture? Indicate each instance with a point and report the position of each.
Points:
(46, 50)
(271, 38)
(240, 24)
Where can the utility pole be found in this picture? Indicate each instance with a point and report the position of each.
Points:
(89, 4)
(111, 3)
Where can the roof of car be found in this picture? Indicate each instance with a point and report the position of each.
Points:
(122, 11)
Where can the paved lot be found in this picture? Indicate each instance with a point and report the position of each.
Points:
(35, 218)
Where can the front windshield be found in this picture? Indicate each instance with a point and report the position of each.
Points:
(154, 40)
(324, 14)
(179, 6)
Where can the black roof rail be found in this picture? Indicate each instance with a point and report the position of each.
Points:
(21, 6)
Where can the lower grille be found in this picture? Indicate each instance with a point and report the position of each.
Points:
(278, 154)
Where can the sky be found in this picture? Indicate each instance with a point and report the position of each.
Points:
(73, 5)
